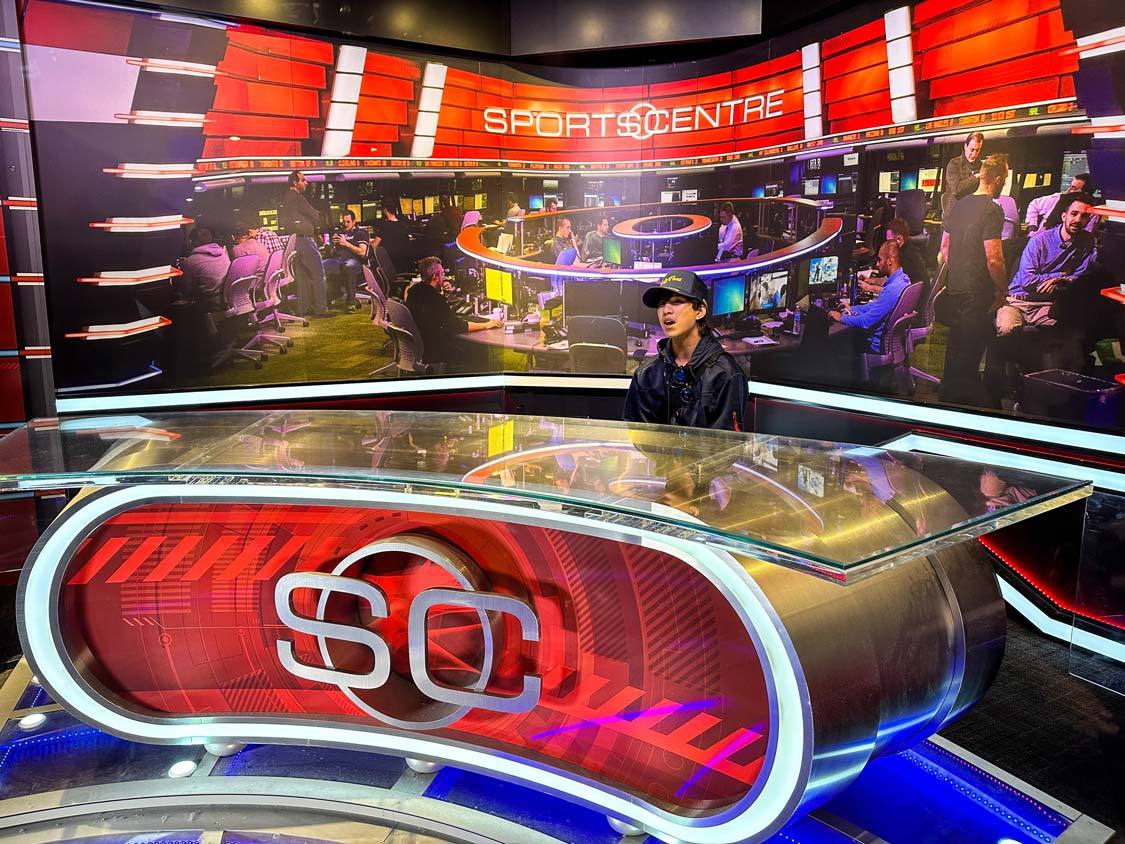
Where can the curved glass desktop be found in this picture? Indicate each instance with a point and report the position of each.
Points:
(699, 633)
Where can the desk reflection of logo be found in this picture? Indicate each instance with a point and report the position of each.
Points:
(388, 671)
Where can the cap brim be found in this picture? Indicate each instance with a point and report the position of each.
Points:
(655, 295)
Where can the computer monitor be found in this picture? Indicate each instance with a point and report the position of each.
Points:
(632, 303)
(535, 202)
(888, 181)
(846, 185)
(418, 207)
(592, 298)
(504, 242)
(768, 291)
(611, 251)
(428, 205)
(774, 189)
(728, 295)
(908, 180)
(498, 285)
(614, 199)
(828, 184)
(669, 196)
(482, 201)
(797, 294)
(406, 205)
(758, 192)
(1073, 164)
(927, 179)
(824, 272)
(812, 187)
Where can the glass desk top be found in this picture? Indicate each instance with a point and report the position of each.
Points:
(838, 510)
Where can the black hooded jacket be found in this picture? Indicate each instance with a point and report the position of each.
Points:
(717, 382)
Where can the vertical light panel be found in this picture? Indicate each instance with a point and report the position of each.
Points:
(345, 101)
(900, 63)
(811, 85)
(429, 104)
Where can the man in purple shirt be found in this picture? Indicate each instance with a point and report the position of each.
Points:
(1053, 262)
(874, 314)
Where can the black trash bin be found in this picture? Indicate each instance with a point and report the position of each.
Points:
(1072, 397)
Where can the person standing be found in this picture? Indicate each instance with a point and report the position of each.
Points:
(691, 381)
(294, 207)
(962, 174)
(730, 234)
(391, 234)
(296, 215)
(976, 286)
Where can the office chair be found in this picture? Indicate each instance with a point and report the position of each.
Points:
(911, 206)
(924, 326)
(409, 349)
(893, 339)
(596, 329)
(237, 288)
(567, 257)
(392, 279)
(471, 218)
(266, 293)
(596, 357)
(870, 244)
(277, 278)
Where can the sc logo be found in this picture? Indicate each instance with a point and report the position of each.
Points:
(417, 702)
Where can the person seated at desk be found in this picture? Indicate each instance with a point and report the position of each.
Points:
(874, 314)
(1053, 262)
(205, 271)
(594, 247)
(1039, 209)
(246, 243)
(910, 257)
(436, 321)
(350, 250)
(564, 239)
(692, 381)
(730, 234)
(514, 209)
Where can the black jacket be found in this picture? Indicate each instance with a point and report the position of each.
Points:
(718, 387)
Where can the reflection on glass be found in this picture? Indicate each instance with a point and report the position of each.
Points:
(802, 502)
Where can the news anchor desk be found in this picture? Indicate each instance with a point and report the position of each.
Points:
(700, 634)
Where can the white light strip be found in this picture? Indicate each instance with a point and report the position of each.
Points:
(1059, 629)
(346, 85)
(962, 420)
(783, 785)
(163, 118)
(207, 398)
(900, 65)
(177, 68)
(429, 105)
(1096, 38)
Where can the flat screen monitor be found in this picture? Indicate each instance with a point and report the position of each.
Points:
(535, 202)
(614, 199)
(828, 184)
(927, 179)
(824, 272)
(768, 291)
(482, 201)
(611, 251)
(1073, 164)
(728, 295)
(504, 242)
(758, 192)
(798, 293)
(592, 298)
(888, 181)
(418, 207)
(406, 205)
(908, 180)
(812, 187)
(498, 285)
(774, 190)
(550, 183)
(632, 305)
(846, 185)
(669, 196)
(428, 205)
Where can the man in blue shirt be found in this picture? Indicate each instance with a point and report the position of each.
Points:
(1053, 262)
(870, 317)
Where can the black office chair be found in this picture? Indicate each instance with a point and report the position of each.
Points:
(394, 282)
(923, 326)
(596, 329)
(407, 340)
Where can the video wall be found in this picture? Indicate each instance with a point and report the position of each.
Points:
(228, 205)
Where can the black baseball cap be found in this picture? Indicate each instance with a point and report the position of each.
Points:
(684, 282)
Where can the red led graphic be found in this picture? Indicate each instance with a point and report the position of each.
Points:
(650, 681)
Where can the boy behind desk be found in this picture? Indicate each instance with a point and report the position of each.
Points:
(691, 381)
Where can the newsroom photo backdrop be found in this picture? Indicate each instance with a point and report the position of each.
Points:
(148, 126)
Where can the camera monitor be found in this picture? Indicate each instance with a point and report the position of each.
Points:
(728, 295)
(768, 291)
(611, 251)
(498, 285)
